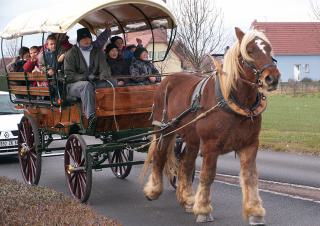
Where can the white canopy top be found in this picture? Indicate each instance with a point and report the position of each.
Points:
(93, 14)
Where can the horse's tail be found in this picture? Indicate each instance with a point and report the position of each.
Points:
(171, 166)
(148, 160)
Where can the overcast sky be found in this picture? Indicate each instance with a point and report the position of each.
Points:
(238, 13)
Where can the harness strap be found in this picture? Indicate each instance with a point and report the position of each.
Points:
(197, 93)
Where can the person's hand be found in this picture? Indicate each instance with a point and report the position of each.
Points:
(120, 83)
(108, 25)
(61, 58)
(152, 79)
(50, 72)
(91, 78)
(139, 41)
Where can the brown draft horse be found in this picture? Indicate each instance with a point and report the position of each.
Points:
(248, 67)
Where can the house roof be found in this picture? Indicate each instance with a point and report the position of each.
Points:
(146, 37)
(292, 38)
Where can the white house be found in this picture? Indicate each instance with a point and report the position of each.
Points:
(296, 46)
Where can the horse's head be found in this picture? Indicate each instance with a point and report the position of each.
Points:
(256, 61)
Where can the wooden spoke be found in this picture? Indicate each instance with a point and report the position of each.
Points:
(121, 156)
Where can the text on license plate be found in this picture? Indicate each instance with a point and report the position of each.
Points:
(8, 143)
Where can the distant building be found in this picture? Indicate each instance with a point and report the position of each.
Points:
(296, 46)
(173, 62)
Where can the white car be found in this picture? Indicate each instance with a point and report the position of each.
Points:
(9, 119)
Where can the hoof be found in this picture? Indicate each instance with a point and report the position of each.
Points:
(204, 218)
(188, 208)
(257, 221)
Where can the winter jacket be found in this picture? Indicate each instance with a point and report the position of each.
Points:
(119, 67)
(76, 69)
(30, 65)
(142, 68)
(48, 59)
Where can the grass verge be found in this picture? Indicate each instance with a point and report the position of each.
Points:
(34, 205)
(292, 124)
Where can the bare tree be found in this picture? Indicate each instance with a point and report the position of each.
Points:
(200, 29)
(11, 48)
(315, 9)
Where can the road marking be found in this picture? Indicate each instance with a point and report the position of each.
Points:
(295, 191)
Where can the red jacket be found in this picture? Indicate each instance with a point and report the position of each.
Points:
(30, 65)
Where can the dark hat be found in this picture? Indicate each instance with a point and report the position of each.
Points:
(83, 33)
(115, 38)
(109, 47)
(138, 52)
(23, 50)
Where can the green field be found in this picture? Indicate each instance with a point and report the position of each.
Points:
(292, 123)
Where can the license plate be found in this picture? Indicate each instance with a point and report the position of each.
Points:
(8, 143)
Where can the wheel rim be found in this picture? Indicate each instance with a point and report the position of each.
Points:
(29, 157)
(78, 172)
(121, 156)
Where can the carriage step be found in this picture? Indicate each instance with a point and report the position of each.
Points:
(97, 170)
(52, 154)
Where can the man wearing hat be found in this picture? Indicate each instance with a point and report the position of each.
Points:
(85, 69)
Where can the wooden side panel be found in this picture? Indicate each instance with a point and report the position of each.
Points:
(49, 117)
(34, 91)
(19, 76)
(128, 100)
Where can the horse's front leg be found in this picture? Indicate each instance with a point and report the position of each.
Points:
(251, 201)
(202, 207)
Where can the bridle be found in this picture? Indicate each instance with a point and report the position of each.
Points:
(257, 72)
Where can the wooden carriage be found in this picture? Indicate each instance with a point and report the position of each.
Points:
(123, 113)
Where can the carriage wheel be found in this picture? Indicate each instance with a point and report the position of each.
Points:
(28, 150)
(179, 148)
(77, 167)
(121, 156)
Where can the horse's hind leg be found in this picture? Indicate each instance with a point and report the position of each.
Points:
(160, 148)
(251, 201)
(184, 191)
(202, 207)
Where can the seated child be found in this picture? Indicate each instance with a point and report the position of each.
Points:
(17, 64)
(32, 64)
(118, 65)
(141, 66)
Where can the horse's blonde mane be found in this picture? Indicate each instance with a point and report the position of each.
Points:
(231, 64)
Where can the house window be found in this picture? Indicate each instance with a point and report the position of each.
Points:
(306, 68)
(150, 55)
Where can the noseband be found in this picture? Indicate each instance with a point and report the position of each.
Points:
(257, 72)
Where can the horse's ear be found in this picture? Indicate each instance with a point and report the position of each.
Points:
(239, 33)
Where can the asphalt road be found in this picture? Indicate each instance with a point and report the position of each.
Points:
(277, 166)
(124, 200)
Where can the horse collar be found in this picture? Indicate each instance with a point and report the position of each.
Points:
(232, 104)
